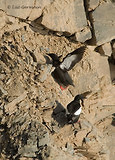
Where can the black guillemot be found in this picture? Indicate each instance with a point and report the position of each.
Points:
(60, 74)
(74, 109)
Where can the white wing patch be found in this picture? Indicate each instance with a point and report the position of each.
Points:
(67, 62)
(78, 112)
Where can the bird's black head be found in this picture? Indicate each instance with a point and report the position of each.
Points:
(55, 58)
(78, 98)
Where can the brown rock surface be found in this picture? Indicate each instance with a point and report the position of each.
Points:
(104, 24)
(33, 122)
(24, 9)
(68, 14)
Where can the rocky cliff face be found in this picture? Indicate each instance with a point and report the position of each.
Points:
(33, 124)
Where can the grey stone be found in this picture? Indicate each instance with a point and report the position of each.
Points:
(65, 16)
(47, 49)
(2, 19)
(23, 38)
(11, 107)
(44, 139)
(107, 49)
(21, 118)
(87, 75)
(83, 35)
(93, 4)
(2, 5)
(87, 139)
(2, 76)
(38, 9)
(29, 151)
(17, 8)
(69, 149)
(36, 137)
(43, 76)
(2, 91)
(24, 9)
(42, 48)
(42, 95)
(104, 26)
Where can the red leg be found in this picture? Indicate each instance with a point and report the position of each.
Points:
(63, 88)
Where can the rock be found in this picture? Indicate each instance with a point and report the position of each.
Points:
(57, 154)
(105, 49)
(11, 107)
(65, 16)
(18, 89)
(44, 139)
(2, 91)
(23, 38)
(36, 140)
(110, 130)
(31, 9)
(87, 74)
(86, 139)
(69, 148)
(47, 50)
(93, 4)
(2, 19)
(42, 95)
(42, 48)
(104, 25)
(27, 125)
(11, 20)
(17, 8)
(105, 112)
(38, 9)
(83, 35)
(29, 150)
(43, 76)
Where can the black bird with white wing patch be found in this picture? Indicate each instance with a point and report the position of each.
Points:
(74, 109)
(60, 74)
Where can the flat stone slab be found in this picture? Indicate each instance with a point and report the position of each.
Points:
(93, 4)
(104, 23)
(65, 16)
(24, 9)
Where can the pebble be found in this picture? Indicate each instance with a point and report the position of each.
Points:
(41, 48)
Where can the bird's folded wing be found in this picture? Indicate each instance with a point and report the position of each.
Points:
(73, 106)
(72, 58)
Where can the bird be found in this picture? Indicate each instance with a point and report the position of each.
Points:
(60, 73)
(74, 109)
